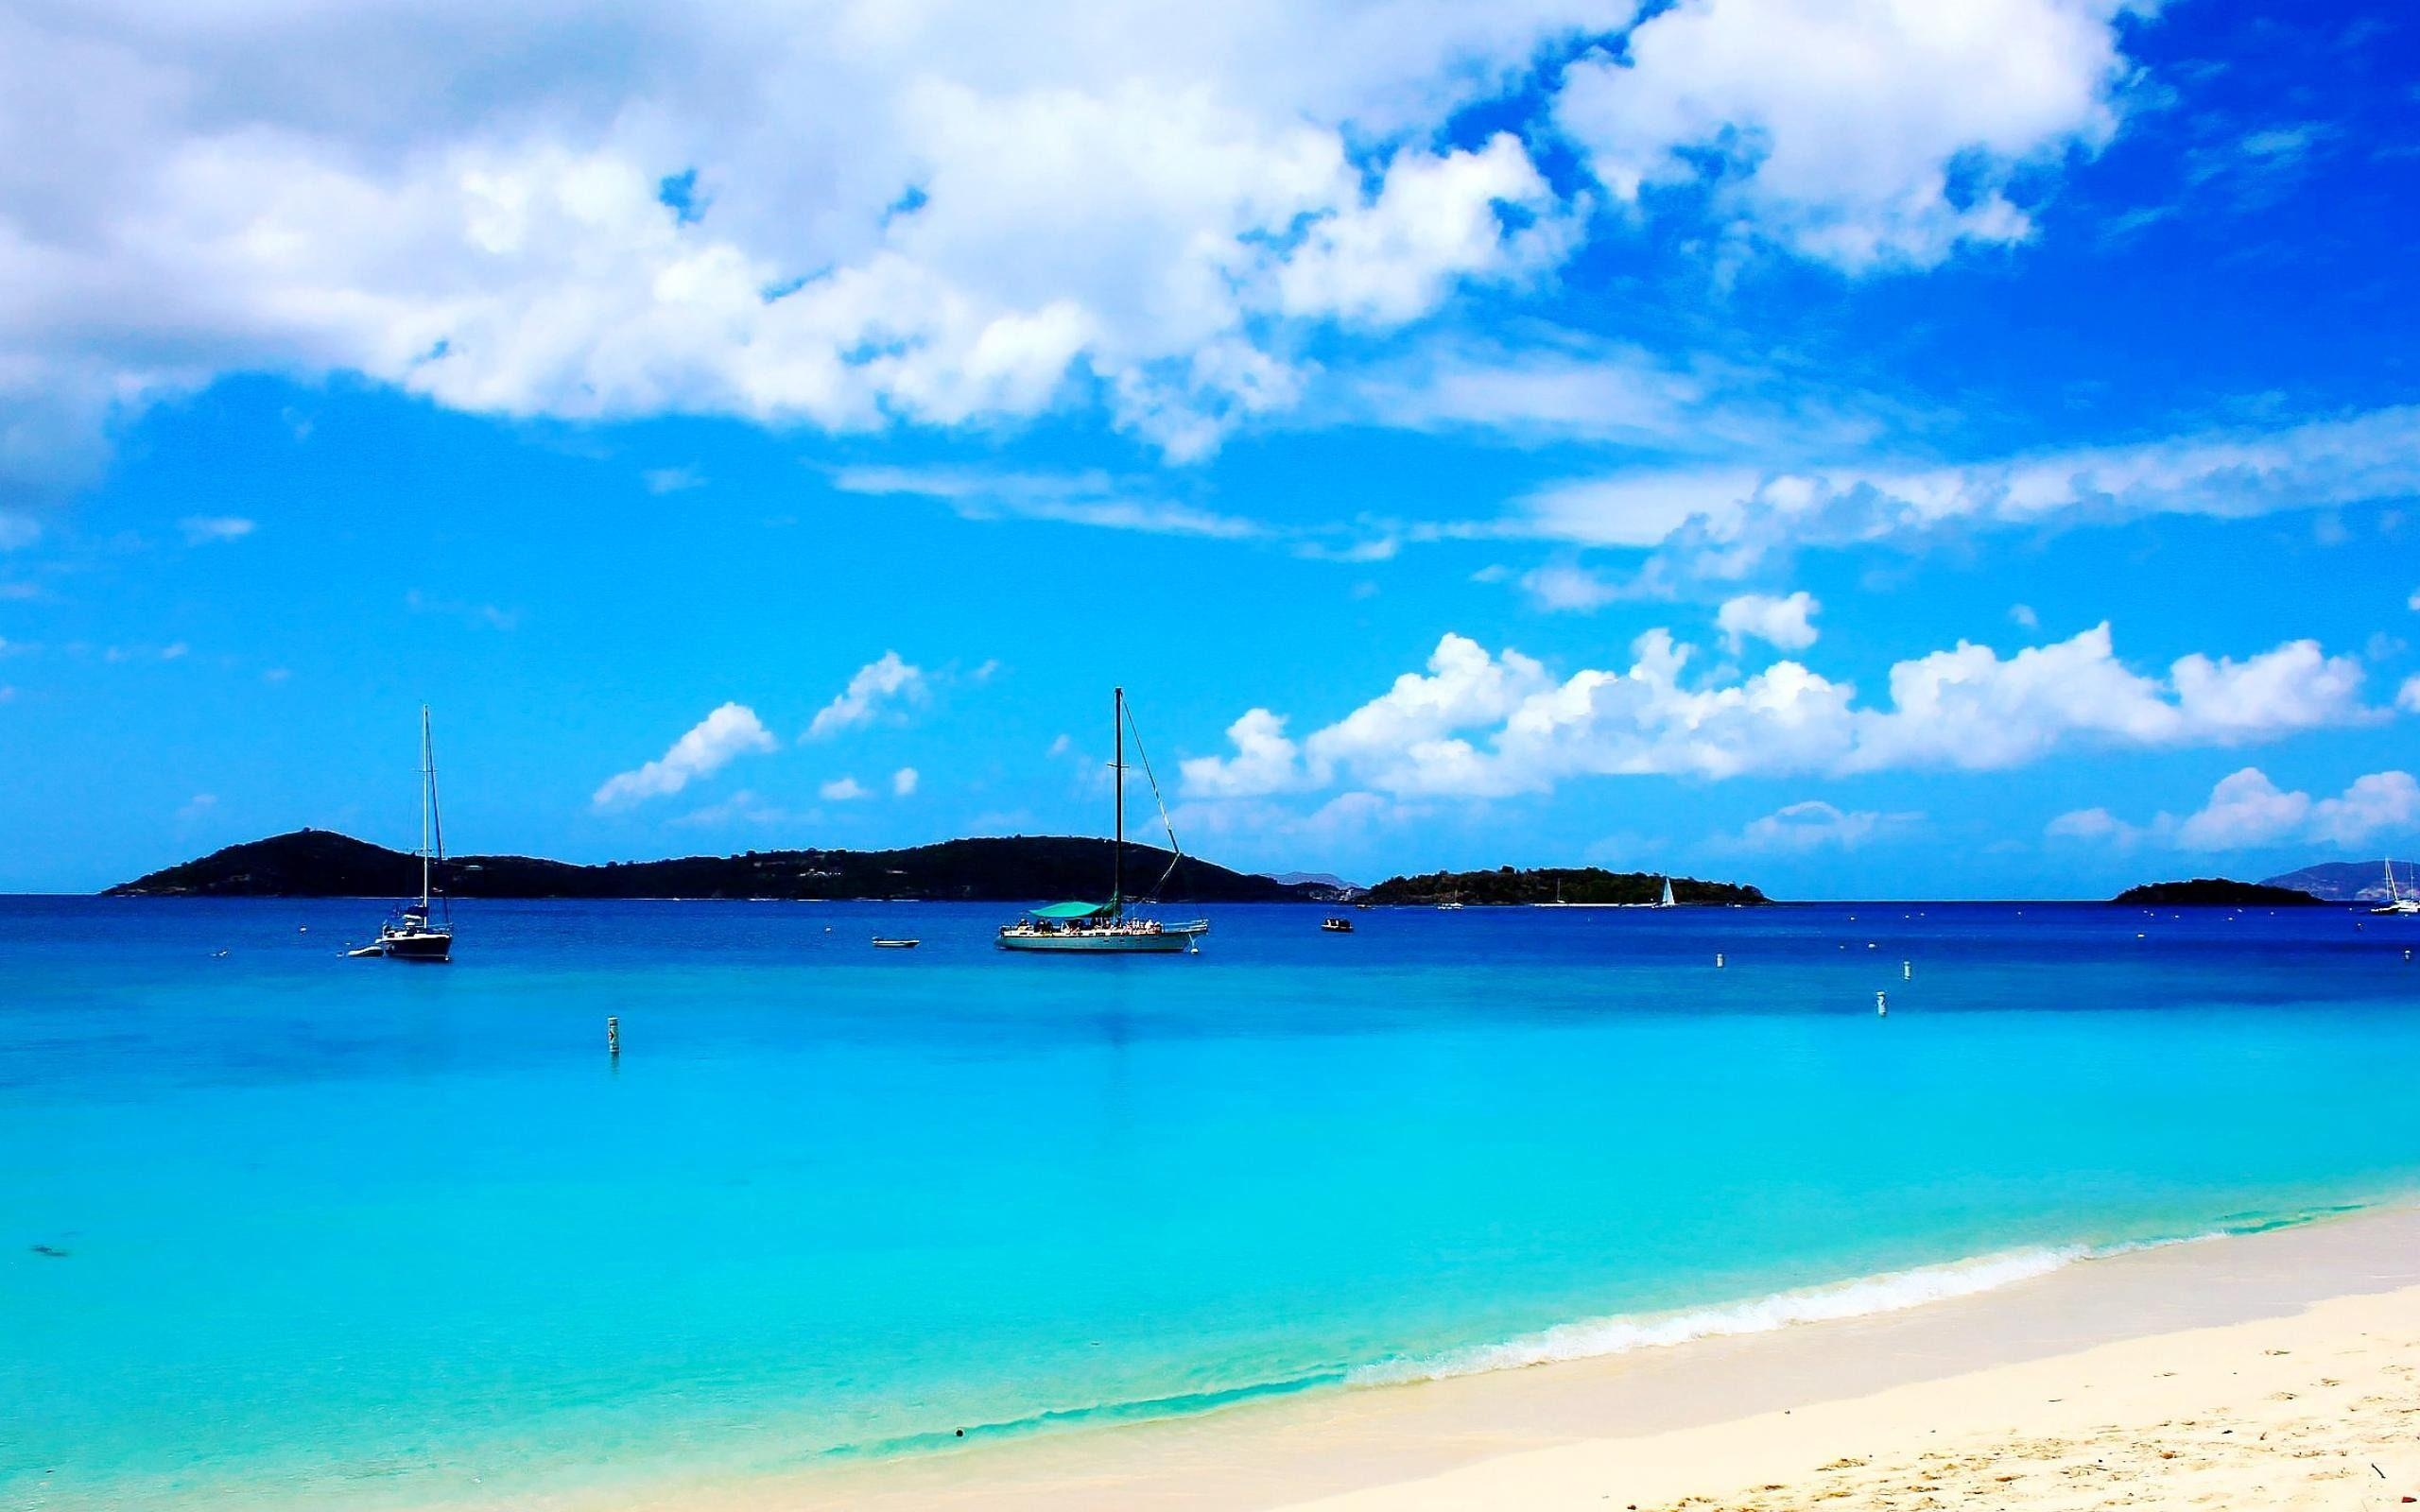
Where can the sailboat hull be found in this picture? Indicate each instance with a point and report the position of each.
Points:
(1174, 940)
(430, 946)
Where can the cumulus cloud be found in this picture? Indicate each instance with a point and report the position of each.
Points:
(1480, 725)
(201, 529)
(1787, 624)
(876, 686)
(841, 790)
(2408, 697)
(1838, 130)
(731, 730)
(903, 781)
(2247, 810)
(1814, 825)
(835, 215)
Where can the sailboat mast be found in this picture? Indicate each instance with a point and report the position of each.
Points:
(427, 784)
(1118, 847)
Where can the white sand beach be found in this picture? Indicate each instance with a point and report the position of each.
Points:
(2272, 1370)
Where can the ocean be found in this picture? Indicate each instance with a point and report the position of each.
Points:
(283, 1228)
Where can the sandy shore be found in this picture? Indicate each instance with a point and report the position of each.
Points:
(2273, 1370)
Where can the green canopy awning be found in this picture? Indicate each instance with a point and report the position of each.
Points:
(1069, 910)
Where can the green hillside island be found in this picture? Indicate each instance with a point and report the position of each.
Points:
(1021, 868)
(1547, 885)
(2215, 892)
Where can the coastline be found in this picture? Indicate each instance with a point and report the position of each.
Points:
(1731, 1412)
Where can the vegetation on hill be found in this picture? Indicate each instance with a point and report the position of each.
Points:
(1023, 868)
(1547, 885)
(2224, 892)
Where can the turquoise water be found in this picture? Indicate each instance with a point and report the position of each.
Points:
(346, 1233)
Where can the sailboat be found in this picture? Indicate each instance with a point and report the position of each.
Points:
(1108, 928)
(421, 931)
(2396, 902)
(1666, 901)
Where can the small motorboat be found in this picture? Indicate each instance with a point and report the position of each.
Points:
(1337, 927)
(889, 942)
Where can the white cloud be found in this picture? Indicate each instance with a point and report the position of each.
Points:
(663, 480)
(876, 686)
(1434, 219)
(1081, 499)
(1838, 127)
(1722, 520)
(2246, 811)
(2094, 824)
(1814, 824)
(1480, 725)
(1561, 587)
(841, 790)
(2023, 616)
(201, 529)
(2413, 602)
(2245, 808)
(1264, 761)
(1787, 623)
(933, 213)
(903, 781)
(733, 729)
(2408, 697)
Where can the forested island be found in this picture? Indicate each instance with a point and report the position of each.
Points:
(2215, 892)
(1021, 868)
(1549, 885)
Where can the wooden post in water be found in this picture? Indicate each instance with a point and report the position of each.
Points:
(1881, 1006)
(613, 1037)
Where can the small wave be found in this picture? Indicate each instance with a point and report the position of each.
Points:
(1865, 1296)
(1893, 1292)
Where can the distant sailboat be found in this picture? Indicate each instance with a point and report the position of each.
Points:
(2396, 902)
(1108, 928)
(1666, 901)
(421, 931)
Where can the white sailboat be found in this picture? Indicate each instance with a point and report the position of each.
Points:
(421, 931)
(1109, 928)
(2397, 900)
(1666, 901)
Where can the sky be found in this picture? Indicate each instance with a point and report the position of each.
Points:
(1865, 448)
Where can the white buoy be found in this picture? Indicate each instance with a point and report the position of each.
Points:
(1717, 959)
(1881, 1006)
(1907, 971)
(613, 1037)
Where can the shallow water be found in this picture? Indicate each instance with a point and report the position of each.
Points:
(358, 1233)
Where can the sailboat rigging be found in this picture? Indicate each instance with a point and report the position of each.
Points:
(2396, 902)
(421, 931)
(1110, 928)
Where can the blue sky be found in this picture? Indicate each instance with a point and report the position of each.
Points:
(1875, 449)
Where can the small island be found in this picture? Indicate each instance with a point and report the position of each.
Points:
(1575, 885)
(2215, 892)
(1019, 868)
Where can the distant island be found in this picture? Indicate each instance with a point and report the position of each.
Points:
(1023, 869)
(1547, 885)
(2220, 892)
(2349, 882)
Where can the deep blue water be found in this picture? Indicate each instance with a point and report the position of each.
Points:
(361, 1234)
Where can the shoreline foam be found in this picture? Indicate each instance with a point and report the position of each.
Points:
(1349, 1443)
